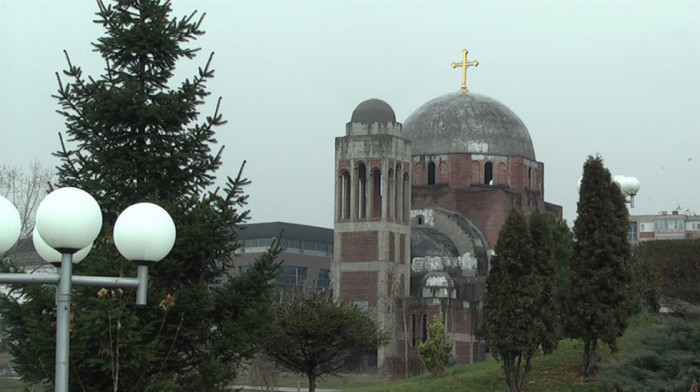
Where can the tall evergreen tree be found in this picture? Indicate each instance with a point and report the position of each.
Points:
(511, 308)
(600, 275)
(545, 269)
(563, 246)
(136, 135)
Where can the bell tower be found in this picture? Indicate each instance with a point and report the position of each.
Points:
(371, 259)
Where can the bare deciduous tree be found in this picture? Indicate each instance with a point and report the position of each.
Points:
(25, 189)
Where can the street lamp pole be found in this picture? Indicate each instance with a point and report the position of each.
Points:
(68, 221)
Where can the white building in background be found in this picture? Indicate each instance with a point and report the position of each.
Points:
(664, 226)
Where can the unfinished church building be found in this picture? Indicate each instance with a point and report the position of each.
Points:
(418, 209)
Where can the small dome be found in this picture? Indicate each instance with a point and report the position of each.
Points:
(373, 111)
(467, 123)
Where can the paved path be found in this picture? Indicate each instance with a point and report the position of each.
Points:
(281, 389)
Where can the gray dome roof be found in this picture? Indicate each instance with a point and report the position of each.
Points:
(467, 123)
(426, 241)
(373, 111)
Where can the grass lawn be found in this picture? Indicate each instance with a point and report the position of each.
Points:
(557, 372)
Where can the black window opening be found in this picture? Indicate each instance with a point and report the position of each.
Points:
(361, 190)
(431, 173)
(488, 173)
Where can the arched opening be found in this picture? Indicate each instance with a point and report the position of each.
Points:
(361, 190)
(406, 207)
(376, 193)
(431, 173)
(344, 212)
(389, 195)
(488, 173)
(398, 194)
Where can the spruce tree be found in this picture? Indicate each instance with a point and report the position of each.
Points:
(134, 134)
(599, 273)
(511, 308)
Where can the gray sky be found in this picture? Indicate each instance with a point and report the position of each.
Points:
(618, 78)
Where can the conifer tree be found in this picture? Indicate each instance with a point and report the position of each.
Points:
(599, 273)
(563, 245)
(134, 134)
(511, 308)
(545, 269)
(435, 352)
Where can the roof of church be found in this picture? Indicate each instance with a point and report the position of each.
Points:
(467, 123)
(373, 111)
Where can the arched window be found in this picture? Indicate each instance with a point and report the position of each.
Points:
(431, 173)
(406, 205)
(389, 195)
(344, 212)
(398, 194)
(361, 190)
(488, 173)
(501, 174)
(475, 173)
(376, 193)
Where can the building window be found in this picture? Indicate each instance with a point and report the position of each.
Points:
(389, 200)
(632, 234)
(291, 277)
(413, 330)
(256, 245)
(324, 279)
(361, 190)
(431, 173)
(475, 173)
(362, 305)
(424, 323)
(488, 173)
(670, 224)
(398, 194)
(693, 225)
(529, 178)
(376, 193)
(344, 195)
(405, 197)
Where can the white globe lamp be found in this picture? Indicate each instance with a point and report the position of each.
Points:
(10, 225)
(144, 232)
(51, 255)
(69, 219)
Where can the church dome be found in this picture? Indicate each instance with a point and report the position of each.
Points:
(373, 111)
(426, 241)
(467, 123)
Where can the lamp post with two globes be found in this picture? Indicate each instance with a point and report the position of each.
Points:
(68, 221)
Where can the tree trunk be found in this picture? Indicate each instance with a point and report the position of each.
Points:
(511, 377)
(312, 382)
(590, 356)
(526, 373)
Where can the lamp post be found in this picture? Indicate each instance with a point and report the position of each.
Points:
(67, 223)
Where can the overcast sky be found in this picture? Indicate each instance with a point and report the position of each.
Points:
(615, 78)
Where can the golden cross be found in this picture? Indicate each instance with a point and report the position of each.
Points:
(464, 64)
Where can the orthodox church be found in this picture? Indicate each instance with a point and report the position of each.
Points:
(418, 209)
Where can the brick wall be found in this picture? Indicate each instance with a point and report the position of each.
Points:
(359, 246)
